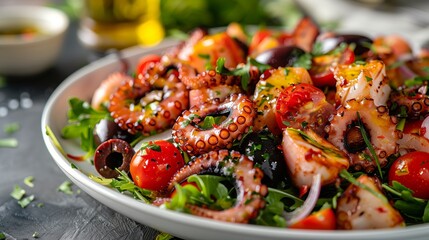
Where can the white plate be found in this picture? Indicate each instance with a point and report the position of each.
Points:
(82, 85)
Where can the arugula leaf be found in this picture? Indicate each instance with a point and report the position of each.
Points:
(271, 215)
(124, 184)
(210, 192)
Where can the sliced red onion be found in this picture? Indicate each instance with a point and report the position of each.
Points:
(406, 72)
(308, 205)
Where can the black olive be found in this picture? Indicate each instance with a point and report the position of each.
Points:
(262, 148)
(107, 129)
(353, 140)
(361, 43)
(111, 155)
(284, 56)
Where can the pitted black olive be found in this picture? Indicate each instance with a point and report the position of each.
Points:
(111, 155)
(262, 149)
(107, 129)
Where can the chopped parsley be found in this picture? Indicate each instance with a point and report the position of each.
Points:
(66, 187)
(26, 201)
(29, 181)
(8, 142)
(304, 61)
(18, 192)
(11, 128)
(243, 72)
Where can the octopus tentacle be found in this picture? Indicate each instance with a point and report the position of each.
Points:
(344, 132)
(150, 103)
(193, 80)
(250, 190)
(195, 140)
(416, 105)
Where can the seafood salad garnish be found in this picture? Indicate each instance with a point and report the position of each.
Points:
(296, 129)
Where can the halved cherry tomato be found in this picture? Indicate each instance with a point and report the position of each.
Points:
(413, 126)
(412, 171)
(145, 61)
(257, 38)
(320, 71)
(322, 220)
(154, 164)
(302, 104)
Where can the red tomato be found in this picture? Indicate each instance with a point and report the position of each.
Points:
(302, 103)
(154, 164)
(412, 171)
(258, 37)
(320, 71)
(413, 126)
(145, 62)
(321, 220)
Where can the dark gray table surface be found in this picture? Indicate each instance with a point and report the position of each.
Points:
(62, 216)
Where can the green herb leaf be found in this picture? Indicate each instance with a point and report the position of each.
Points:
(368, 79)
(25, 201)
(164, 236)
(243, 72)
(8, 142)
(11, 128)
(66, 187)
(2, 236)
(17, 192)
(82, 119)
(304, 61)
(29, 181)
(149, 146)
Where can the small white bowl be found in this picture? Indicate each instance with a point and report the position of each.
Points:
(26, 56)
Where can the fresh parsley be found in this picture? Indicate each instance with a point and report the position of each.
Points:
(66, 187)
(82, 119)
(243, 71)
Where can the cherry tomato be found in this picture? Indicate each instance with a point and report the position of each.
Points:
(302, 103)
(413, 126)
(320, 71)
(257, 38)
(322, 220)
(412, 171)
(154, 164)
(145, 62)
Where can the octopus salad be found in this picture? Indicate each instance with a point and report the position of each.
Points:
(299, 129)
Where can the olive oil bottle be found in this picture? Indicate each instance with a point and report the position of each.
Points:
(118, 24)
